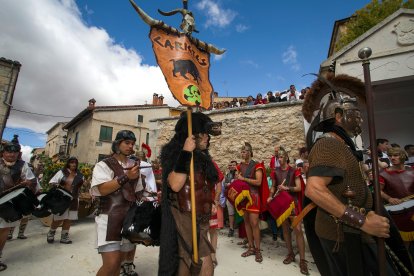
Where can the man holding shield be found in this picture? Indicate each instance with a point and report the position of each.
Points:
(176, 230)
(13, 172)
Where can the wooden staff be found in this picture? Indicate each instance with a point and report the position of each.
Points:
(364, 54)
(192, 189)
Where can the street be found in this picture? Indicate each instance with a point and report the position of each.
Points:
(34, 256)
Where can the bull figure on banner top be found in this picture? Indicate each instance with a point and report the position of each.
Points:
(187, 25)
(183, 59)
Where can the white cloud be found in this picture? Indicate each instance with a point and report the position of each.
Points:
(240, 28)
(26, 152)
(216, 15)
(65, 63)
(289, 57)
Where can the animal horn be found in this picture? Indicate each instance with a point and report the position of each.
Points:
(171, 12)
(147, 19)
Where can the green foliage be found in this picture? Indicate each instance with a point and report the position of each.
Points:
(369, 16)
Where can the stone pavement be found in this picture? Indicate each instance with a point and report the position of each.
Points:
(34, 256)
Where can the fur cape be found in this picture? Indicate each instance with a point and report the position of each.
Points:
(168, 258)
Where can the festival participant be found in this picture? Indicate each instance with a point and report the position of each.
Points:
(70, 179)
(13, 172)
(114, 183)
(290, 180)
(254, 174)
(216, 220)
(344, 222)
(228, 179)
(157, 170)
(176, 247)
(397, 183)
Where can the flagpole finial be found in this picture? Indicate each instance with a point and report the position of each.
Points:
(364, 53)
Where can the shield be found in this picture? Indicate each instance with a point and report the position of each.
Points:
(185, 67)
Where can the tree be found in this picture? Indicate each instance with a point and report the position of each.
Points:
(369, 16)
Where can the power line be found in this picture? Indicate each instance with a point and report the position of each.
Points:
(47, 115)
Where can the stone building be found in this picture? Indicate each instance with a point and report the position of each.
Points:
(263, 126)
(392, 73)
(91, 132)
(56, 141)
(9, 72)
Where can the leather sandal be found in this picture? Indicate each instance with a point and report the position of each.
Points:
(258, 257)
(303, 267)
(289, 258)
(249, 252)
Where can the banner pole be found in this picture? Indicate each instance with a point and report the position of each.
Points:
(192, 189)
(364, 54)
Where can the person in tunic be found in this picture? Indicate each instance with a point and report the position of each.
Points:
(345, 223)
(70, 179)
(13, 172)
(115, 181)
(176, 247)
(397, 184)
(254, 174)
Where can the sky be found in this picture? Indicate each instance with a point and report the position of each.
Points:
(75, 50)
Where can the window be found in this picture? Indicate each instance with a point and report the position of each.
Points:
(105, 133)
(75, 142)
(147, 139)
(140, 118)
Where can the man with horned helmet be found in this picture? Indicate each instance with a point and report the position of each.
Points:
(115, 181)
(345, 222)
(13, 172)
(176, 247)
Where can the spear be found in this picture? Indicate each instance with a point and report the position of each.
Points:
(364, 54)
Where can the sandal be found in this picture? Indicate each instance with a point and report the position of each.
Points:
(249, 252)
(243, 242)
(303, 267)
(3, 266)
(289, 258)
(258, 257)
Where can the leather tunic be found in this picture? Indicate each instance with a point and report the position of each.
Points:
(398, 184)
(72, 185)
(116, 204)
(10, 176)
(203, 195)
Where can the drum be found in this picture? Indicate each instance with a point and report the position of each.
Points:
(281, 207)
(16, 203)
(403, 216)
(55, 201)
(142, 224)
(41, 210)
(238, 194)
(400, 208)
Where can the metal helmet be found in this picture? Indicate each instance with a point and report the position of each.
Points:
(122, 135)
(331, 95)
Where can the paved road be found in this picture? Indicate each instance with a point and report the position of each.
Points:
(36, 257)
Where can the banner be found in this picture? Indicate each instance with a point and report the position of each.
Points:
(185, 68)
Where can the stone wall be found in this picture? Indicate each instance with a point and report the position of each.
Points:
(263, 126)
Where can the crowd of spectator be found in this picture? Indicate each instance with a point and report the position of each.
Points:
(290, 94)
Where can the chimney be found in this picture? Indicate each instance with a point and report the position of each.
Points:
(154, 99)
(161, 100)
(91, 103)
